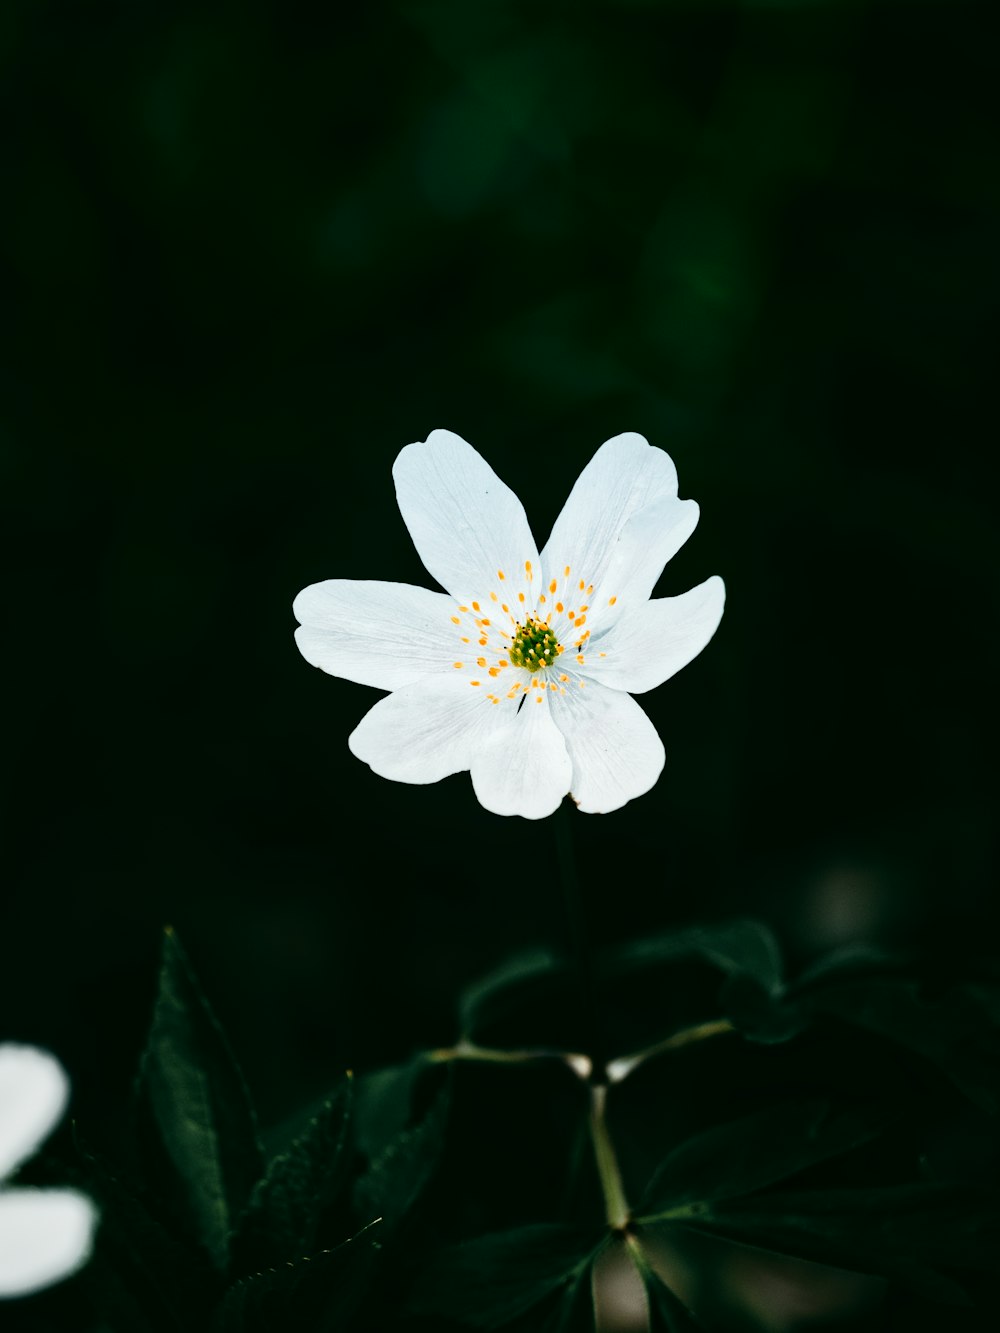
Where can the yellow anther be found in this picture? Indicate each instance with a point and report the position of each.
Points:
(612, 600)
(480, 661)
(457, 666)
(475, 682)
(455, 620)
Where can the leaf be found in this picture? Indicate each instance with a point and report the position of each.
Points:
(282, 1219)
(318, 1294)
(494, 1279)
(197, 1137)
(533, 1000)
(737, 948)
(143, 1277)
(759, 1014)
(487, 1000)
(952, 1033)
(903, 1231)
(383, 1103)
(574, 1310)
(667, 1312)
(757, 1150)
(396, 1178)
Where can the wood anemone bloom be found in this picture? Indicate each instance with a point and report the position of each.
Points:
(45, 1234)
(522, 671)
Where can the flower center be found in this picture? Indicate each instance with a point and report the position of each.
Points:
(534, 645)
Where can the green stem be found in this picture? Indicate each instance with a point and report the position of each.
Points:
(467, 1050)
(608, 1171)
(623, 1065)
(580, 951)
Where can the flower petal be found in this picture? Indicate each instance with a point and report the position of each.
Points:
(616, 752)
(34, 1090)
(466, 524)
(525, 769)
(45, 1235)
(625, 477)
(651, 642)
(382, 634)
(426, 731)
(648, 540)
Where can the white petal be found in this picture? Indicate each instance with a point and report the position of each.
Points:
(616, 752)
(651, 642)
(625, 477)
(648, 540)
(45, 1235)
(382, 634)
(34, 1090)
(426, 731)
(466, 524)
(524, 769)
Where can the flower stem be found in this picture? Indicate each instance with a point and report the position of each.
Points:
(579, 939)
(608, 1172)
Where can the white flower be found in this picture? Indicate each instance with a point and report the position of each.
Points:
(45, 1234)
(523, 670)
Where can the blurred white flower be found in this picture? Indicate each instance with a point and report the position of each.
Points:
(523, 670)
(45, 1234)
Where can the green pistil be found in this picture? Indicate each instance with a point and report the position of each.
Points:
(534, 646)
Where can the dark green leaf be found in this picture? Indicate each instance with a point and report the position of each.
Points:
(755, 1151)
(904, 1231)
(383, 1103)
(282, 1218)
(143, 1277)
(667, 1312)
(759, 1014)
(197, 1139)
(396, 1178)
(494, 1279)
(736, 948)
(486, 1001)
(952, 1032)
(318, 1294)
(574, 1310)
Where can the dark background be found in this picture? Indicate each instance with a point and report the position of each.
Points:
(251, 250)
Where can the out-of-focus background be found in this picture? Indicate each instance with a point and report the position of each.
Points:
(249, 251)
